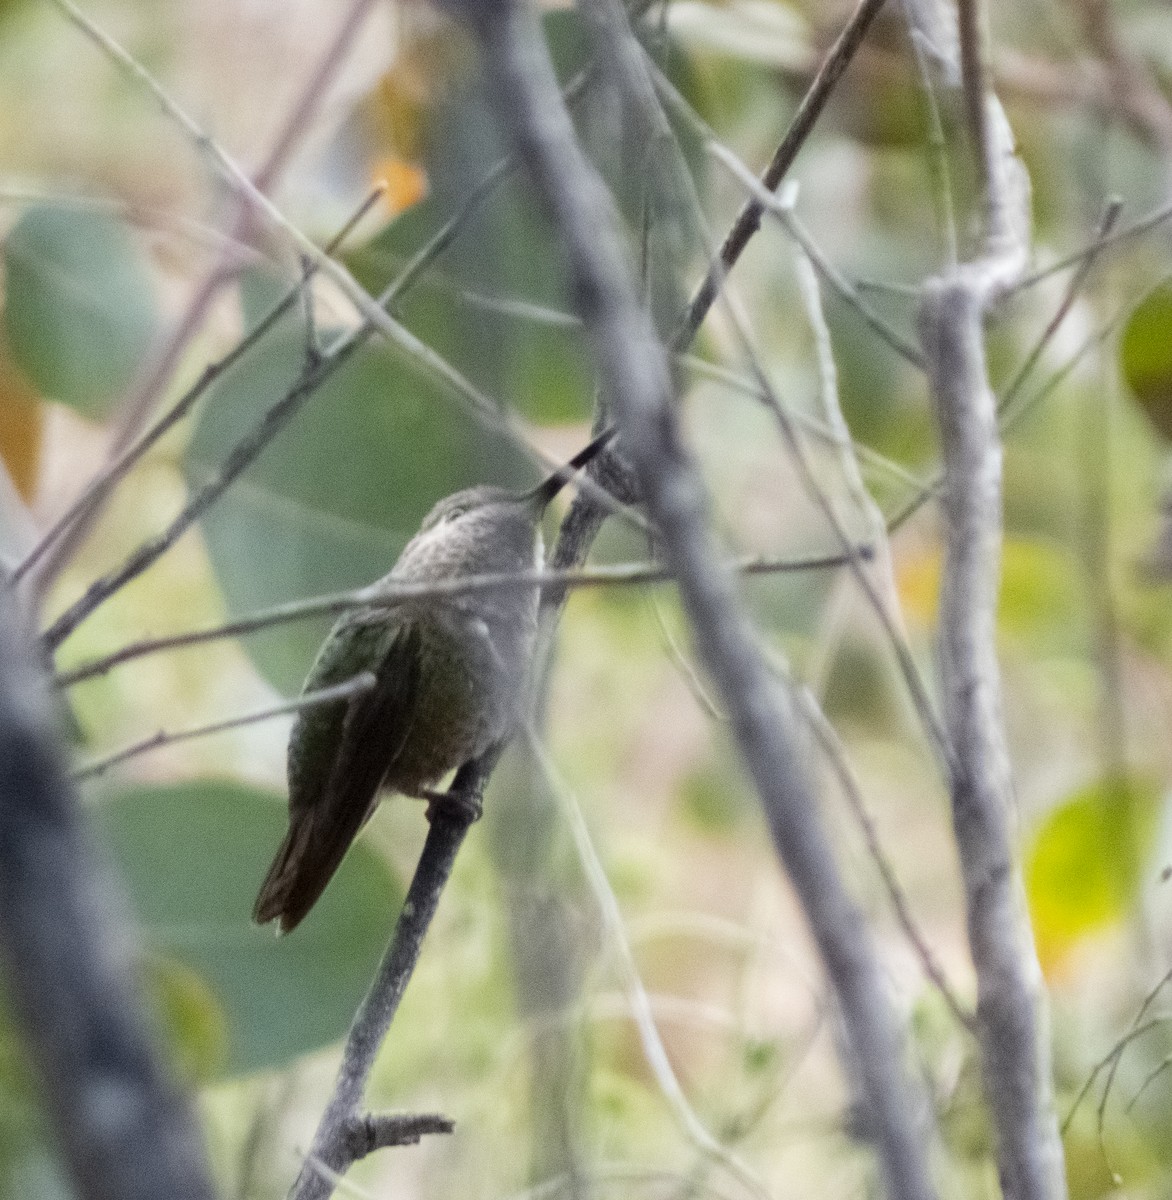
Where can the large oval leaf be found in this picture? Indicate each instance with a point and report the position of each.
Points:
(80, 310)
(332, 500)
(193, 855)
(1085, 864)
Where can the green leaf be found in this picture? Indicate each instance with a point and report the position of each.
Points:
(1085, 864)
(80, 311)
(1145, 352)
(193, 856)
(333, 498)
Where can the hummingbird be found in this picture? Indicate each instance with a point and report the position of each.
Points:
(450, 681)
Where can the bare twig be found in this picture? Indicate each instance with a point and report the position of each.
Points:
(836, 755)
(937, 152)
(654, 1050)
(549, 580)
(69, 967)
(1110, 1062)
(1073, 287)
(1138, 228)
(749, 219)
(635, 379)
(783, 211)
(342, 691)
(377, 1131)
(814, 426)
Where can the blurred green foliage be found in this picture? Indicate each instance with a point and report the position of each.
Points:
(1145, 354)
(518, 1022)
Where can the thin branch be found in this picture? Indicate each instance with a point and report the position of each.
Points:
(68, 958)
(1156, 218)
(975, 88)
(937, 152)
(654, 1050)
(749, 219)
(836, 756)
(362, 682)
(882, 593)
(1109, 1062)
(642, 89)
(1073, 287)
(274, 419)
(332, 1146)
(389, 595)
(635, 379)
(782, 210)
(811, 424)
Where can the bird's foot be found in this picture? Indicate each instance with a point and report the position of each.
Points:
(462, 806)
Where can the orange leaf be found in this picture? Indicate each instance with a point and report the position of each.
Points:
(406, 183)
(21, 425)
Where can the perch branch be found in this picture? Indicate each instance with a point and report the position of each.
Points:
(334, 1143)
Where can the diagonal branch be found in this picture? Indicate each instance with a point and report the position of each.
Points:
(635, 378)
(361, 682)
(749, 219)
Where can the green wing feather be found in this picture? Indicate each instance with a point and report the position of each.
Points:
(338, 756)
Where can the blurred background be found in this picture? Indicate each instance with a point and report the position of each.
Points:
(522, 1022)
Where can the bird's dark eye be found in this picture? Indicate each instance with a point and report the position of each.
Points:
(453, 513)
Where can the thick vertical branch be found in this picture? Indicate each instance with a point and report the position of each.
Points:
(1012, 1028)
(1015, 1054)
(635, 379)
(124, 1130)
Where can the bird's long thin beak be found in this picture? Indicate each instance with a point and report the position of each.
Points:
(549, 487)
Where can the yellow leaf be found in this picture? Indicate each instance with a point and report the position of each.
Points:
(917, 579)
(1086, 862)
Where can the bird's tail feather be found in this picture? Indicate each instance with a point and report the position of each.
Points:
(304, 864)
